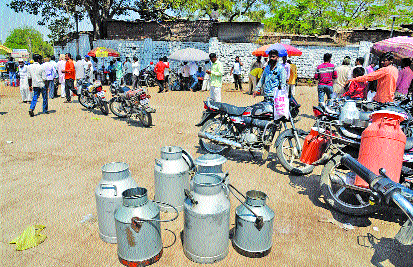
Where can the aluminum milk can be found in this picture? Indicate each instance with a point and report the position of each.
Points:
(206, 220)
(253, 226)
(138, 229)
(172, 176)
(116, 178)
(349, 112)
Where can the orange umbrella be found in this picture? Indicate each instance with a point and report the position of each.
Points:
(261, 51)
(103, 52)
(291, 50)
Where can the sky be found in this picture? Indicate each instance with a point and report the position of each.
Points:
(10, 20)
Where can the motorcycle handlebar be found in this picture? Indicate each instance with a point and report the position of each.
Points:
(358, 168)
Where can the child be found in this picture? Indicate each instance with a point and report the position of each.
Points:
(356, 90)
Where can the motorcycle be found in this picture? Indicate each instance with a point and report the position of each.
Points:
(251, 128)
(147, 77)
(384, 191)
(127, 103)
(93, 95)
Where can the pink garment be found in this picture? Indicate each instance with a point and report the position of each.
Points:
(369, 69)
(404, 80)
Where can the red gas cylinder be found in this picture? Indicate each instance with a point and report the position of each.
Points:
(314, 146)
(382, 145)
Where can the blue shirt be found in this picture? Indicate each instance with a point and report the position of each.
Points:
(272, 80)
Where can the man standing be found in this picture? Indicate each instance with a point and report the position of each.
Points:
(325, 74)
(70, 75)
(60, 69)
(127, 69)
(359, 63)
(273, 78)
(257, 64)
(405, 77)
(386, 79)
(166, 73)
(50, 74)
(56, 77)
(118, 69)
(236, 71)
(342, 76)
(185, 76)
(135, 73)
(160, 76)
(216, 73)
(254, 77)
(206, 83)
(193, 80)
(80, 72)
(27, 95)
(36, 77)
(286, 65)
(11, 68)
(89, 69)
(292, 78)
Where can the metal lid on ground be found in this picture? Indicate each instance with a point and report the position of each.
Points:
(210, 160)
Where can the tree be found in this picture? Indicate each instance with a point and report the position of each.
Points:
(30, 39)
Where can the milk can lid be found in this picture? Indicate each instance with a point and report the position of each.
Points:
(395, 114)
(210, 160)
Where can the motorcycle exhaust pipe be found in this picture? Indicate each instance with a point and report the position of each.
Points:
(219, 139)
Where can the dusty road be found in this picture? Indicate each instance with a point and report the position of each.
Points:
(50, 170)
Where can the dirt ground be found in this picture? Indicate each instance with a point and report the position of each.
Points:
(50, 170)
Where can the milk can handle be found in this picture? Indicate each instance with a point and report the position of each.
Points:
(188, 158)
(139, 220)
(107, 186)
(259, 223)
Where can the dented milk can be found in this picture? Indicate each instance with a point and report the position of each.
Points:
(116, 178)
(253, 225)
(138, 229)
(172, 176)
(206, 219)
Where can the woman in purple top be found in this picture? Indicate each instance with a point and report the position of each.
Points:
(325, 74)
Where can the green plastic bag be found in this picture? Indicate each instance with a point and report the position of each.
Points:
(30, 237)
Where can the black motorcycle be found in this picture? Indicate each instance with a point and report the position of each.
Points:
(147, 77)
(93, 95)
(126, 103)
(252, 128)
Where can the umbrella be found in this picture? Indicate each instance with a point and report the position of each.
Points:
(189, 54)
(283, 50)
(402, 46)
(103, 52)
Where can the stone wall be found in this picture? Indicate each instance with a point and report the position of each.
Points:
(148, 50)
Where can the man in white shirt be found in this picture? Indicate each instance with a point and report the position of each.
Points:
(89, 69)
(186, 73)
(206, 83)
(50, 75)
(135, 73)
(27, 95)
(236, 71)
(56, 77)
(193, 80)
(80, 66)
(37, 76)
(127, 69)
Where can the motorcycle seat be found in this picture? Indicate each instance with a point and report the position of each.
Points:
(365, 116)
(409, 143)
(229, 109)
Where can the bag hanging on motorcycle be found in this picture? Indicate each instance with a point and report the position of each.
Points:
(281, 104)
(314, 147)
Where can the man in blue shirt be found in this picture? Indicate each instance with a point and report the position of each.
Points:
(273, 78)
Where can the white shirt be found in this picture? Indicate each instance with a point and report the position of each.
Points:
(50, 70)
(36, 72)
(23, 72)
(193, 68)
(128, 67)
(166, 71)
(237, 68)
(80, 69)
(185, 71)
(135, 68)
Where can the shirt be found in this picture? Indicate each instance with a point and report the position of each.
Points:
(356, 90)
(80, 69)
(342, 78)
(217, 71)
(287, 69)
(50, 71)
(404, 80)
(23, 72)
(70, 72)
(61, 66)
(325, 73)
(293, 74)
(272, 80)
(185, 71)
(257, 64)
(166, 71)
(386, 83)
(36, 72)
(135, 68)
(236, 68)
(159, 69)
(200, 75)
(193, 68)
(128, 67)
(257, 72)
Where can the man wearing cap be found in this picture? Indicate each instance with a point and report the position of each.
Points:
(37, 76)
(27, 95)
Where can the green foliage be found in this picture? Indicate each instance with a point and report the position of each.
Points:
(30, 39)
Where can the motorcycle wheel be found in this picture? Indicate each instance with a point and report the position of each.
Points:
(103, 105)
(145, 118)
(340, 198)
(85, 101)
(287, 153)
(212, 126)
(150, 82)
(116, 107)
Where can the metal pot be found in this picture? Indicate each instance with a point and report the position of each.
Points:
(349, 112)
(116, 178)
(206, 220)
(138, 229)
(211, 163)
(172, 176)
(253, 225)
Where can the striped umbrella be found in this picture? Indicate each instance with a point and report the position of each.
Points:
(103, 52)
(283, 50)
(402, 46)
